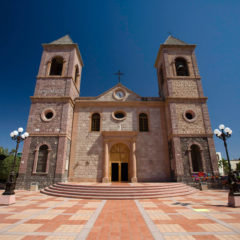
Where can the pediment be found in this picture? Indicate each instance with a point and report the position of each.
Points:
(118, 93)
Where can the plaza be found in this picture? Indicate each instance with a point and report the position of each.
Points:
(203, 215)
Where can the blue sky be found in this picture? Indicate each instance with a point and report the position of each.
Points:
(123, 35)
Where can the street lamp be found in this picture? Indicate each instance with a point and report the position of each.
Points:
(17, 136)
(224, 133)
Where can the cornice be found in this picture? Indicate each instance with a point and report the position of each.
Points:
(191, 135)
(119, 136)
(166, 46)
(119, 133)
(47, 46)
(50, 135)
(183, 78)
(85, 103)
(43, 99)
(54, 77)
(186, 99)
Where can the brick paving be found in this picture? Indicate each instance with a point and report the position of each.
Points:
(201, 216)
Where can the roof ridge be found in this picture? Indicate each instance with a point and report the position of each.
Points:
(174, 41)
(63, 40)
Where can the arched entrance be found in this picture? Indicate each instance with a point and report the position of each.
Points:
(196, 159)
(119, 162)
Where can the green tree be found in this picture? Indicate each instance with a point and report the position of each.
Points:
(224, 164)
(6, 163)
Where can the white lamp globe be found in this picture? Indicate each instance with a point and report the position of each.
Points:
(11, 134)
(15, 133)
(216, 131)
(230, 132)
(227, 129)
(219, 134)
(23, 136)
(26, 134)
(221, 126)
(20, 129)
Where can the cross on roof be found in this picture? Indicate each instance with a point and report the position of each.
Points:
(119, 75)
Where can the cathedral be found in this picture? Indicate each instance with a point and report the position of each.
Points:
(118, 135)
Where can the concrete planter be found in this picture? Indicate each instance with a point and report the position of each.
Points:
(203, 186)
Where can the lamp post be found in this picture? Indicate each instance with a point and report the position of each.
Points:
(224, 133)
(11, 182)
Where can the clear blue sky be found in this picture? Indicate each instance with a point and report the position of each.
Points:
(125, 35)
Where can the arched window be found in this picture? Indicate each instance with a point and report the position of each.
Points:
(42, 159)
(181, 67)
(143, 122)
(95, 122)
(76, 74)
(56, 66)
(196, 159)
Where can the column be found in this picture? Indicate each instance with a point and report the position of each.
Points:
(35, 160)
(134, 162)
(190, 161)
(105, 165)
(203, 161)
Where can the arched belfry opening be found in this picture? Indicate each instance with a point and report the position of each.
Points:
(181, 67)
(119, 162)
(56, 66)
(197, 165)
(76, 74)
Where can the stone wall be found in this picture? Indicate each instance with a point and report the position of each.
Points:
(203, 142)
(25, 179)
(183, 88)
(151, 147)
(187, 127)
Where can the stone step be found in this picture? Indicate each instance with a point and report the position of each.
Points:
(117, 197)
(158, 190)
(110, 188)
(118, 191)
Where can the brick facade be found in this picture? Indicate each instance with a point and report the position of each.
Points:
(76, 153)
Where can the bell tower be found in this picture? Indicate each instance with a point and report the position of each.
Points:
(190, 137)
(46, 153)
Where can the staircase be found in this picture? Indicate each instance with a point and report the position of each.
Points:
(119, 191)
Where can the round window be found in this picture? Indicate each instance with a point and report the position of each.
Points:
(48, 114)
(189, 116)
(119, 115)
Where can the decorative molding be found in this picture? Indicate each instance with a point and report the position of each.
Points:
(191, 135)
(116, 104)
(43, 99)
(50, 135)
(185, 99)
(183, 78)
(54, 77)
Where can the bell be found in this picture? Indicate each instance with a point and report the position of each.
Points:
(180, 66)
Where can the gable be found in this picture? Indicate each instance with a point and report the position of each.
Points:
(114, 94)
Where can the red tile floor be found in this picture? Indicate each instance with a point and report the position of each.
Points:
(203, 215)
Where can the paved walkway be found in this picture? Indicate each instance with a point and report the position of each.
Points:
(203, 215)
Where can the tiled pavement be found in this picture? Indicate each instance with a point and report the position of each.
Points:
(203, 215)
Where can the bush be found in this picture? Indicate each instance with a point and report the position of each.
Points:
(6, 166)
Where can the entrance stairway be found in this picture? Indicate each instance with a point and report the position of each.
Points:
(119, 191)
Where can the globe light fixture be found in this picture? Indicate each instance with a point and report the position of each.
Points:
(221, 126)
(224, 134)
(11, 182)
(20, 130)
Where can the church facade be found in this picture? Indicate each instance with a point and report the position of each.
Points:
(118, 135)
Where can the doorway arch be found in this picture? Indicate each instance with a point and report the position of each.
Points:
(119, 162)
(196, 158)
